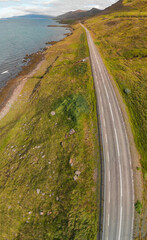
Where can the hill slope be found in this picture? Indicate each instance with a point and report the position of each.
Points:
(120, 35)
(48, 156)
(74, 15)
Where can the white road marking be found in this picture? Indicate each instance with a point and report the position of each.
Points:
(104, 122)
(98, 86)
(102, 109)
(117, 144)
(106, 92)
(132, 172)
(109, 197)
(108, 156)
(108, 219)
(106, 138)
(111, 112)
(120, 223)
(109, 176)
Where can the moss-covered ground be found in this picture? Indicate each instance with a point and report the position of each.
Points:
(48, 135)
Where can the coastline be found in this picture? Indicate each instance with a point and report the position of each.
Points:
(13, 83)
(11, 91)
(34, 143)
(16, 89)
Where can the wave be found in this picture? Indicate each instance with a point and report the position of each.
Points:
(5, 72)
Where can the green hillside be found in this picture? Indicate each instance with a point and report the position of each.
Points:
(48, 151)
(120, 35)
(121, 38)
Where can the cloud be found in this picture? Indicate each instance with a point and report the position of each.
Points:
(62, 6)
(20, 11)
(10, 0)
(10, 12)
(48, 7)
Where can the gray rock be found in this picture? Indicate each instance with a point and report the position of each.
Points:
(71, 162)
(38, 191)
(127, 91)
(75, 177)
(78, 173)
(53, 113)
(72, 131)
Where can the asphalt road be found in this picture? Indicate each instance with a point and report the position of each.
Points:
(118, 184)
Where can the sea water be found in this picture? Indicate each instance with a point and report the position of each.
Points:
(19, 37)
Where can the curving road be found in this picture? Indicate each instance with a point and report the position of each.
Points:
(118, 184)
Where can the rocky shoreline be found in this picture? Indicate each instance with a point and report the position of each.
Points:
(7, 91)
(33, 61)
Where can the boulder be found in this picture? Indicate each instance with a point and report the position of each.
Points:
(72, 131)
(38, 191)
(75, 177)
(78, 173)
(53, 113)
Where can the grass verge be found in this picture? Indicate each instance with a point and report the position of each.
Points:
(48, 151)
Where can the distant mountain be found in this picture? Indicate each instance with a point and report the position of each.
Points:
(34, 16)
(70, 14)
(74, 15)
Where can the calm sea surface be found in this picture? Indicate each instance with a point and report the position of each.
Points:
(19, 37)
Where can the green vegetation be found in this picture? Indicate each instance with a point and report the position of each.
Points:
(120, 35)
(121, 40)
(138, 207)
(67, 21)
(48, 151)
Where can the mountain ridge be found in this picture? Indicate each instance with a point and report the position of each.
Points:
(30, 16)
(78, 14)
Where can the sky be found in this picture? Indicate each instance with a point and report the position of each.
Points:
(10, 8)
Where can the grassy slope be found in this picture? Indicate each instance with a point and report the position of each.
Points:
(39, 198)
(121, 38)
(120, 34)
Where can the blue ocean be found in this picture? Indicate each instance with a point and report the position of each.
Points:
(19, 37)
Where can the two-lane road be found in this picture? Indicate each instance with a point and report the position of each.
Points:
(118, 184)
